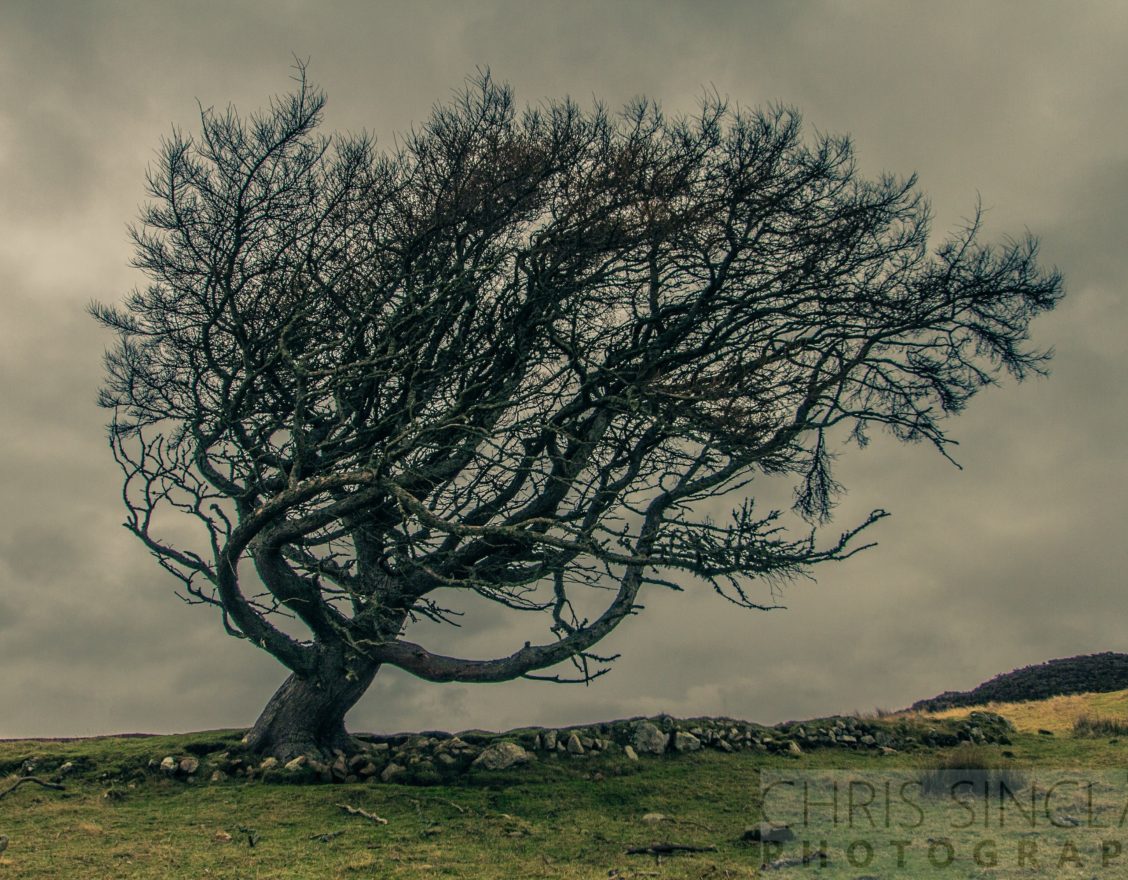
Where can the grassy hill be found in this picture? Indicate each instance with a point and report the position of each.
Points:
(1055, 714)
(1089, 673)
(558, 816)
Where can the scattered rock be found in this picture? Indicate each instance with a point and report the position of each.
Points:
(368, 770)
(296, 764)
(357, 761)
(655, 818)
(765, 832)
(575, 745)
(631, 754)
(818, 855)
(501, 756)
(169, 765)
(270, 763)
(686, 742)
(322, 770)
(392, 771)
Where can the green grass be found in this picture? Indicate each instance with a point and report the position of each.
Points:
(559, 818)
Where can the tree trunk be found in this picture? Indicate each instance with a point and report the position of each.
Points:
(306, 715)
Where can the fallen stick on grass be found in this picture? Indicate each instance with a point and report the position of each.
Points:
(666, 849)
(357, 811)
(52, 785)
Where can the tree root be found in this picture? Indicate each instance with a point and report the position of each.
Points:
(52, 785)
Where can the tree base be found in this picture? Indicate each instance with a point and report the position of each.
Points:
(306, 716)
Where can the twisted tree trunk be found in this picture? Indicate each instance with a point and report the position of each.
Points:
(306, 715)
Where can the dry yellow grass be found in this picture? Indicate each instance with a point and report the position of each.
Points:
(1057, 714)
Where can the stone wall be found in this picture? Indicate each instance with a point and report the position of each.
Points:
(434, 756)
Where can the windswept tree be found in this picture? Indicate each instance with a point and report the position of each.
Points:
(512, 358)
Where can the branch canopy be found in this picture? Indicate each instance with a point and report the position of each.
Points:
(515, 355)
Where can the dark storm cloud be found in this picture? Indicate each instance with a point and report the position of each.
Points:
(1013, 560)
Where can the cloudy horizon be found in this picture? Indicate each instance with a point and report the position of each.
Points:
(1015, 559)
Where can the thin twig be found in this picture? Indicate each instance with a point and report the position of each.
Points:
(665, 849)
(357, 811)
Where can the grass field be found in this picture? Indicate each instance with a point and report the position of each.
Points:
(558, 818)
(1057, 714)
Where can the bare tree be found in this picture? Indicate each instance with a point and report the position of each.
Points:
(511, 359)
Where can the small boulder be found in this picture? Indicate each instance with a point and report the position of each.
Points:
(575, 745)
(768, 833)
(686, 742)
(631, 754)
(392, 771)
(367, 770)
(169, 765)
(296, 764)
(649, 738)
(501, 756)
(269, 763)
(357, 761)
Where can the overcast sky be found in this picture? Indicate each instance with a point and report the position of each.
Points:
(1018, 558)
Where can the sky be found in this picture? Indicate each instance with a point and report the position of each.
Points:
(1015, 559)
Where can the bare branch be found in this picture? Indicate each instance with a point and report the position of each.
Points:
(518, 357)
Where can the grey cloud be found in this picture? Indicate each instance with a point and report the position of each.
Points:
(1013, 560)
